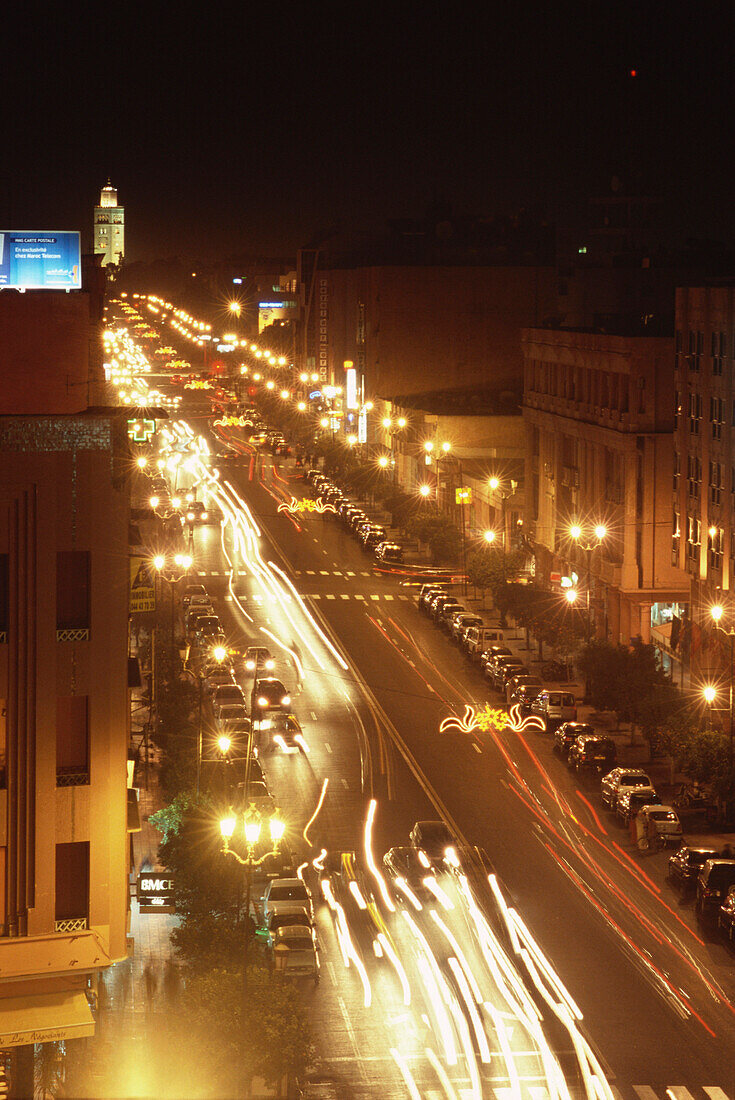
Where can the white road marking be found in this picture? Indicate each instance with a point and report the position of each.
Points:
(324, 572)
(328, 747)
(387, 597)
(714, 1093)
(348, 574)
(345, 596)
(678, 1092)
(644, 1092)
(359, 597)
(375, 597)
(345, 784)
(313, 716)
(330, 596)
(476, 747)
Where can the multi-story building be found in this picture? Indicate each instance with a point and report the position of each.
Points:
(64, 578)
(703, 537)
(599, 411)
(109, 227)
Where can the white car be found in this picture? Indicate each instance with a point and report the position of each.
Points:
(617, 780)
(286, 895)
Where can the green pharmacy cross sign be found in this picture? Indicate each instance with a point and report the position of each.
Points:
(140, 431)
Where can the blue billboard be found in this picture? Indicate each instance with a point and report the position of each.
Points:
(42, 260)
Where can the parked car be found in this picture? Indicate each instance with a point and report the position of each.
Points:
(227, 693)
(389, 553)
(617, 780)
(521, 679)
(287, 895)
(631, 800)
(461, 622)
(297, 945)
(449, 610)
(511, 672)
(494, 668)
(482, 638)
(593, 752)
(726, 916)
(567, 733)
(192, 618)
(555, 707)
(190, 592)
(685, 865)
(372, 534)
(524, 697)
(660, 823)
(427, 593)
(713, 883)
(218, 676)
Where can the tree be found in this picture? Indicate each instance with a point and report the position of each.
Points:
(210, 1023)
(490, 567)
(627, 680)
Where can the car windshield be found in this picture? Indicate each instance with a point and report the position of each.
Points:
(292, 892)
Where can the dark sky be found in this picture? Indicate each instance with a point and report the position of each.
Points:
(250, 129)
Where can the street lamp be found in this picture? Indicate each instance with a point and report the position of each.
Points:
(496, 485)
(576, 532)
(172, 570)
(717, 612)
(251, 828)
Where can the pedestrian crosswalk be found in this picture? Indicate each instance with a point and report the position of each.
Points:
(296, 573)
(382, 597)
(642, 1092)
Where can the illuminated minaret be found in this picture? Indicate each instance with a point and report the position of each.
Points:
(109, 227)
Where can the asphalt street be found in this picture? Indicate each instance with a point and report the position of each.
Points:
(654, 991)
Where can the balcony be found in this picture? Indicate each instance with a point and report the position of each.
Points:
(73, 634)
(72, 777)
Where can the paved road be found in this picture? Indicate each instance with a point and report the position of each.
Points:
(655, 993)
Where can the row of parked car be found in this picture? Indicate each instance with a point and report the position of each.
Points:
(485, 646)
(373, 536)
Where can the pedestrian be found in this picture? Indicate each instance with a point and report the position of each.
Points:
(151, 985)
(171, 982)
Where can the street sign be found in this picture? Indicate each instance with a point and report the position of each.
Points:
(142, 585)
(155, 892)
(463, 496)
(555, 578)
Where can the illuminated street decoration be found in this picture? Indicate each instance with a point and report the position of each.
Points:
(230, 422)
(198, 385)
(306, 505)
(490, 718)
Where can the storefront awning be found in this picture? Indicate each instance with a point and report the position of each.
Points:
(45, 1018)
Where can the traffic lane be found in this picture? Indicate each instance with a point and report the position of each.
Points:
(476, 788)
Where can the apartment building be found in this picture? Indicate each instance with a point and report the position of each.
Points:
(599, 413)
(64, 577)
(703, 485)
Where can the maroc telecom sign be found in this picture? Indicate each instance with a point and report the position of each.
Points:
(40, 260)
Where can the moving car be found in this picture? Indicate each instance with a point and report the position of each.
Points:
(258, 657)
(218, 676)
(284, 732)
(411, 865)
(196, 512)
(269, 694)
(685, 865)
(190, 592)
(433, 838)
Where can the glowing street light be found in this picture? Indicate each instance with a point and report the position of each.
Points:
(709, 693)
(489, 537)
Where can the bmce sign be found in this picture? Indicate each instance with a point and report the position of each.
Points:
(156, 892)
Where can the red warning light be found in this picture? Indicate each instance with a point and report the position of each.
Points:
(633, 72)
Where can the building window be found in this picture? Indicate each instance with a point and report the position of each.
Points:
(694, 474)
(72, 590)
(675, 537)
(72, 740)
(715, 540)
(717, 351)
(717, 416)
(677, 470)
(72, 886)
(678, 345)
(715, 482)
(696, 346)
(695, 412)
(677, 409)
(694, 528)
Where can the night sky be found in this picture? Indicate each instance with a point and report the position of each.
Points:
(254, 129)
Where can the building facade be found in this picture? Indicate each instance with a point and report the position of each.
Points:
(703, 489)
(109, 227)
(599, 412)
